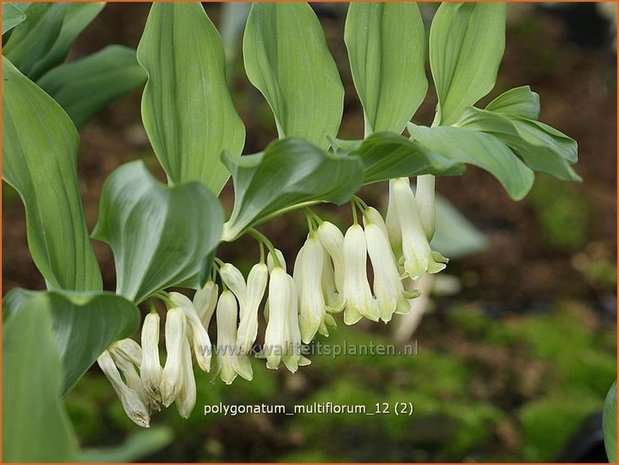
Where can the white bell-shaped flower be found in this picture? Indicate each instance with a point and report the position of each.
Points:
(335, 301)
(248, 325)
(230, 361)
(293, 357)
(150, 367)
(307, 275)
(172, 375)
(388, 287)
(280, 300)
(196, 332)
(134, 407)
(332, 240)
(132, 378)
(418, 257)
(205, 302)
(424, 196)
(186, 399)
(359, 300)
(392, 221)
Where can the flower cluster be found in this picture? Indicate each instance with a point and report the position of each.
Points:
(330, 276)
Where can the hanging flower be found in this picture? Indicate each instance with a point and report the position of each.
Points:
(248, 325)
(172, 375)
(359, 300)
(418, 257)
(424, 197)
(196, 333)
(186, 399)
(230, 362)
(308, 270)
(150, 367)
(388, 288)
(332, 240)
(205, 301)
(134, 407)
(234, 280)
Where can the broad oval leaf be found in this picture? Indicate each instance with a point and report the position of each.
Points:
(84, 87)
(467, 41)
(388, 155)
(287, 59)
(542, 147)
(386, 50)
(13, 14)
(43, 40)
(84, 324)
(519, 101)
(159, 235)
(288, 174)
(186, 106)
(39, 152)
(609, 423)
(479, 149)
(36, 426)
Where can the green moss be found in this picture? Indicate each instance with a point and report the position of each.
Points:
(563, 214)
(549, 422)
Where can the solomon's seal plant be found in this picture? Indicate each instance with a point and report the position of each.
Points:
(165, 236)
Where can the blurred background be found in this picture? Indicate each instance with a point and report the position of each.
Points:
(517, 344)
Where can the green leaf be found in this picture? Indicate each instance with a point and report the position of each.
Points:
(84, 324)
(36, 426)
(137, 446)
(519, 101)
(13, 14)
(84, 87)
(40, 154)
(609, 423)
(43, 40)
(479, 149)
(289, 173)
(287, 59)
(186, 106)
(467, 41)
(387, 155)
(159, 235)
(542, 147)
(387, 62)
